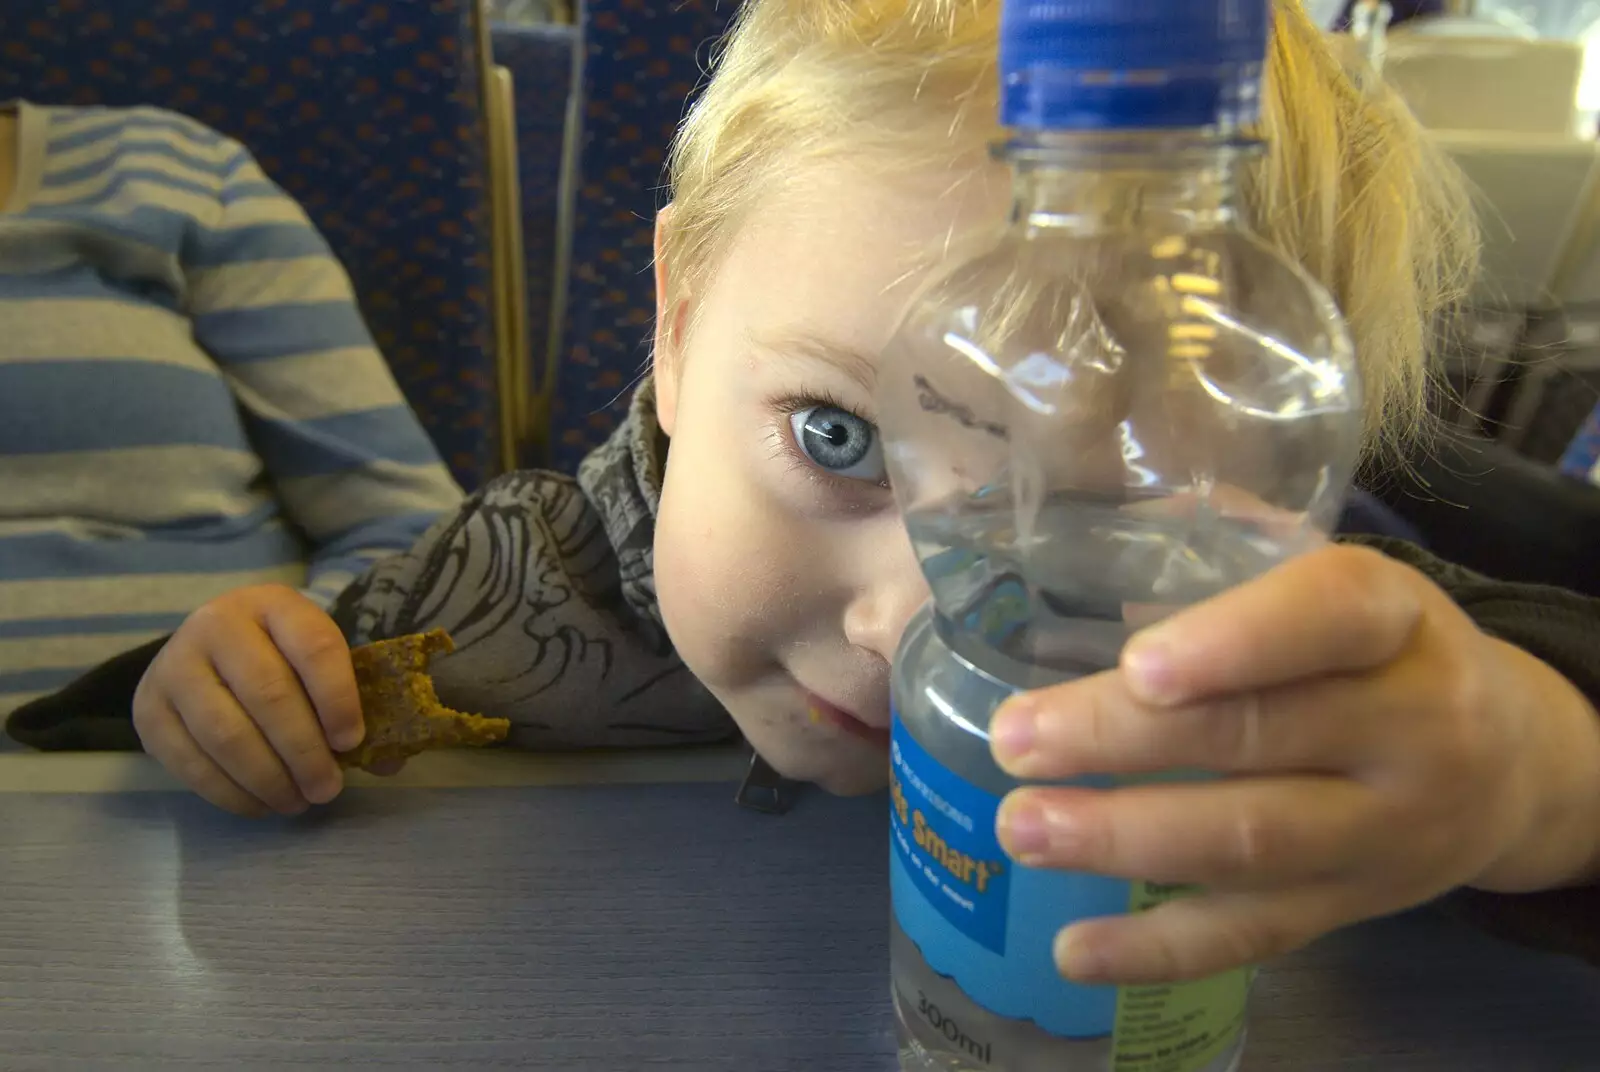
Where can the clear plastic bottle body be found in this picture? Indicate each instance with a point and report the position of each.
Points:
(1124, 405)
(938, 1027)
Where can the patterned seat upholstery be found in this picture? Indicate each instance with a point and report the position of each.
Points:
(370, 114)
(642, 62)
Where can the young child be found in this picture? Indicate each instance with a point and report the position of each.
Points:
(1421, 731)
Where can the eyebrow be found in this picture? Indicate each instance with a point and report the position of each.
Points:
(857, 365)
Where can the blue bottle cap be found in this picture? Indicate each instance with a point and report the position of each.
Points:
(1102, 65)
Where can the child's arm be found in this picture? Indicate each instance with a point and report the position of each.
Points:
(348, 459)
(547, 593)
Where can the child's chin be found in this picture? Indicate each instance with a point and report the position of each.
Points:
(842, 767)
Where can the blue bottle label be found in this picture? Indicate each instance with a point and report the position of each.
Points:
(944, 837)
(988, 924)
(976, 916)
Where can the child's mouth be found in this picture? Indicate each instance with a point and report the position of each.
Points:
(823, 713)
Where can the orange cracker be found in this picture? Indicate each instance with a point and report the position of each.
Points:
(402, 712)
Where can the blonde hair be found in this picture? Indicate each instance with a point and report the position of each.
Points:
(1349, 186)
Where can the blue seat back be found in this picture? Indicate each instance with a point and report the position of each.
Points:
(371, 115)
(642, 63)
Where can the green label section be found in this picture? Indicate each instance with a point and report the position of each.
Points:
(1182, 1027)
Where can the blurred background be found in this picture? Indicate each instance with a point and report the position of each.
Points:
(488, 170)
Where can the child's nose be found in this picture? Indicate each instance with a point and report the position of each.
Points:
(890, 591)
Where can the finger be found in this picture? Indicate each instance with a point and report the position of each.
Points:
(1249, 833)
(1096, 726)
(164, 737)
(232, 739)
(1200, 936)
(320, 657)
(1338, 610)
(1145, 615)
(268, 692)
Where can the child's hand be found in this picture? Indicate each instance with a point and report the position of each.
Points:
(248, 701)
(1382, 749)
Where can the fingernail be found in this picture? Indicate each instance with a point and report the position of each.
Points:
(1078, 959)
(1149, 666)
(1013, 732)
(1023, 830)
(324, 789)
(345, 739)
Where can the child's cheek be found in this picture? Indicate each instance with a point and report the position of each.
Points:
(715, 587)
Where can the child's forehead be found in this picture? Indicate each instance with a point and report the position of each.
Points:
(826, 261)
(873, 208)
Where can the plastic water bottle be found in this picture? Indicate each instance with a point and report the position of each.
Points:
(1120, 405)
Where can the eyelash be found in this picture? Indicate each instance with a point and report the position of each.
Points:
(786, 406)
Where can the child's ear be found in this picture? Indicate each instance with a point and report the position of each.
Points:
(668, 353)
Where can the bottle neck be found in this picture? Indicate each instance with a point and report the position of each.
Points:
(1093, 183)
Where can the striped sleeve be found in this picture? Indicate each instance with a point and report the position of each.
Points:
(275, 310)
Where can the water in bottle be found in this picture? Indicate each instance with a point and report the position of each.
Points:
(1120, 404)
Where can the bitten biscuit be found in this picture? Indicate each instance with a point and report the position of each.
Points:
(402, 712)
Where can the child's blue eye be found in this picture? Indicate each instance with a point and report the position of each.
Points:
(839, 442)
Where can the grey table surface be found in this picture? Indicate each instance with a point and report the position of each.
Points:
(598, 928)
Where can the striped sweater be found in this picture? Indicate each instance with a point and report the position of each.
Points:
(189, 399)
